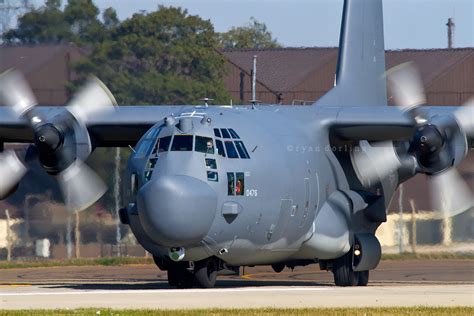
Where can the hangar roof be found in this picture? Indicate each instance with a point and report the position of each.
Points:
(281, 69)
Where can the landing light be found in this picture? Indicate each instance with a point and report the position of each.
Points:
(176, 254)
(357, 252)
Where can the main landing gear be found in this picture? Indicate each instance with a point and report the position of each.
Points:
(182, 275)
(344, 275)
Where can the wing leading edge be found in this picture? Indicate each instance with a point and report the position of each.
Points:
(120, 128)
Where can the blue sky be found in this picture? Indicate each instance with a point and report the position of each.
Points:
(408, 23)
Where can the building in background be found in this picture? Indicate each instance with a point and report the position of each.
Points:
(47, 68)
(284, 75)
(303, 75)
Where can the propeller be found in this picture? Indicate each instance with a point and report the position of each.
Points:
(439, 143)
(61, 143)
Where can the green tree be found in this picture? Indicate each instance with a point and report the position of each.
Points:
(82, 18)
(109, 16)
(254, 35)
(43, 25)
(164, 57)
(78, 23)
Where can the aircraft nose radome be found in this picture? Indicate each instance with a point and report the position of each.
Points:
(176, 210)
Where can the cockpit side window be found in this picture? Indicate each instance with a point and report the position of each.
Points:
(230, 148)
(204, 145)
(217, 132)
(233, 134)
(220, 148)
(182, 143)
(225, 133)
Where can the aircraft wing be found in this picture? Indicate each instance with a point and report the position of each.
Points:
(368, 123)
(384, 123)
(122, 127)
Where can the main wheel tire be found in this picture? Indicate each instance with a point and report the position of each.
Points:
(343, 273)
(205, 273)
(363, 278)
(179, 276)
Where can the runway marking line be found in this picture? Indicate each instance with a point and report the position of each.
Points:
(255, 277)
(172, 291)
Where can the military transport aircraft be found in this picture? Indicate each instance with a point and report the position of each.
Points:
(212, 188)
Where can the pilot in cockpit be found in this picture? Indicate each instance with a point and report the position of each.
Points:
(210, 147)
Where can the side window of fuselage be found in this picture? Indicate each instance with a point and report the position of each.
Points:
(235, 183)
(239, 183)
(230, 183)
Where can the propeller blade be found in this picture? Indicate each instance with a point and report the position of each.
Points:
(11, 171)
(93, 99)
(374, 161)
(450, 194)
(465, 117)
(406, 86)
(81, 186)
(16, 92)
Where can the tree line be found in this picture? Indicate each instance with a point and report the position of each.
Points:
(162, 57)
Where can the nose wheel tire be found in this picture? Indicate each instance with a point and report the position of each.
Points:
(205, 273)
(179, 276)
(363, 278)
(344, 275)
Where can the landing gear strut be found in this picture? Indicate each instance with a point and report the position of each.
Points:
(179, 276)
(344, 275)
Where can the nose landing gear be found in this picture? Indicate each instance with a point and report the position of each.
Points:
(179, 276)
(201, 274)
(205, 273)
(344, 274)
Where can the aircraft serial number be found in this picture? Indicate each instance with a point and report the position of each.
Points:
(251, 192)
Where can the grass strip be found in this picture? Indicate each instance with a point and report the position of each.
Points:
(419, 310)
(111, 261)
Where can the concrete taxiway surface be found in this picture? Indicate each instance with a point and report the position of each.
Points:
(394, 283)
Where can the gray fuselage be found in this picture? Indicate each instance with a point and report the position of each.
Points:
(271, 213)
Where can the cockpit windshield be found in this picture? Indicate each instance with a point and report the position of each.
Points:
(163, 144)
(226, 144)
(182, 143)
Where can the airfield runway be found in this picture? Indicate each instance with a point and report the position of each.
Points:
(393, 283)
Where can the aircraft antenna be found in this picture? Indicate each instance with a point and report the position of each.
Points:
(206, 101)
(450, 26)
(254, 81)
